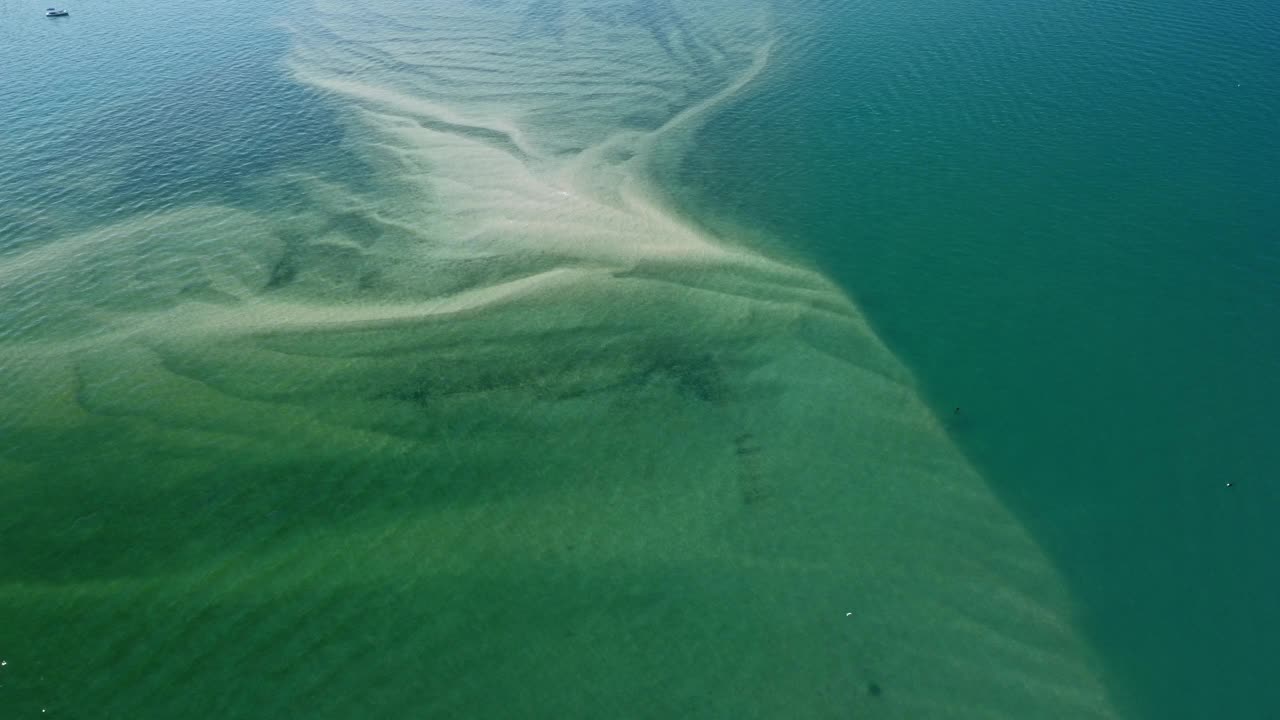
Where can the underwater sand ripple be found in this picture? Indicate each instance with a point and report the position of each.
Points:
(538, 444)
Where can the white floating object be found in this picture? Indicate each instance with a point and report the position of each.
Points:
(848, 614)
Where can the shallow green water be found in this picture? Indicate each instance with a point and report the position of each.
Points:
(357, 362)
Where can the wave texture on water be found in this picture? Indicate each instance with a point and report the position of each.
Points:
(498, 434)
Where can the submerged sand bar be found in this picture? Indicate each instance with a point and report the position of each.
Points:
(576, 456)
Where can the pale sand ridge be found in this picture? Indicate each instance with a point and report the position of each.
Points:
(609, 451)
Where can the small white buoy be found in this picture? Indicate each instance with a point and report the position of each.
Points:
(848, 614)
(1228, 484)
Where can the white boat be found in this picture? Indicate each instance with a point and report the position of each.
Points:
(52, 12)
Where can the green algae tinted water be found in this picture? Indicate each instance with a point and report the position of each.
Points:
(379, 358)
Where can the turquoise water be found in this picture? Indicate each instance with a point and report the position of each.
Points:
(1063, 219)
(548, 359)
(107, 116)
